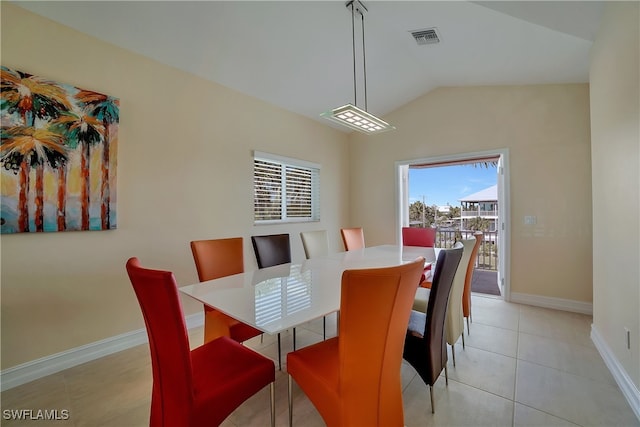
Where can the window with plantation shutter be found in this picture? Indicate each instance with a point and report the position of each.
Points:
(285, 190)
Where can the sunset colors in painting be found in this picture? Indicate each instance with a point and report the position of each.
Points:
(58, 156)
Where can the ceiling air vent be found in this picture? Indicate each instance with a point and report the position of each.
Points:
(426, 36)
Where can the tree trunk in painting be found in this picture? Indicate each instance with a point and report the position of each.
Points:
(39, 199)
(84, 193)
(62, 197)
(23, 209)
(105, 195)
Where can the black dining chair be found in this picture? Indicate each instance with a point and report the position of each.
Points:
(272, 250)
(424, 347)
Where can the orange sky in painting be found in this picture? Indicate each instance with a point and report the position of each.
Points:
(10, 182)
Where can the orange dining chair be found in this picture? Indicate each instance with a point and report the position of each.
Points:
(466, 295)
(354, 378)
(214, 259)
(272, 250)
(353, 238)
(192, 387)
(424, 347)
(316, 244)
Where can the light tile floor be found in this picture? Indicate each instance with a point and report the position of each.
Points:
(522, 366)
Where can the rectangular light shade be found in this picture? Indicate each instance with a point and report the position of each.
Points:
(355, 118)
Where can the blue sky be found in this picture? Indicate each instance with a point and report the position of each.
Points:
(447, 184)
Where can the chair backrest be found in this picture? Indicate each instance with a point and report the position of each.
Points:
(218, 257)
(157, 294)
(454, 324)
(374, 313)
(428, 353)
(315, 243)
(413, 236)
(466, 295)
(271, 250)
(446, 266)
(353, 238)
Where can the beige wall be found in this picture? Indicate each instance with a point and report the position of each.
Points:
(546, 130)
(615, 128)
(184, 173)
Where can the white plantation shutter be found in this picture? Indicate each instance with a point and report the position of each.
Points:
(267, 184)
(285, 190)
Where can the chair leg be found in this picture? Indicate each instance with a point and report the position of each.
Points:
(294, 339)
(279, 354)
(324, 327)
(463, 347)
(453, 353)
(433, 409)
(446, 374)
(290, 399)
(468, 329)
(272, 393)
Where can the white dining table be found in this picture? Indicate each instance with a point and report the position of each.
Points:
(277, 298)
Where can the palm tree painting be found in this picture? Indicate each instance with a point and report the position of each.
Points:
(57, 156)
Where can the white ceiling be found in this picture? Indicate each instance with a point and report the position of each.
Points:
(298, 54)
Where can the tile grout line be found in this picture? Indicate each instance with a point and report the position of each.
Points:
(550, 414)
(515, 377)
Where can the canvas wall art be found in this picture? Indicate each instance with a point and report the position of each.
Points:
(58, 156)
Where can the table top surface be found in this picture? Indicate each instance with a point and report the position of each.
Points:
(284, 296)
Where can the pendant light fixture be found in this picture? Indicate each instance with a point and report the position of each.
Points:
(350, 115)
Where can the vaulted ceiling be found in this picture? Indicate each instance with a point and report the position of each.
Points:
(298, 54)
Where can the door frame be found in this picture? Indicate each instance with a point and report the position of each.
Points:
(504, 203)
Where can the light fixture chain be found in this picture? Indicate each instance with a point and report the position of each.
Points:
(364, 66)
(353, 43)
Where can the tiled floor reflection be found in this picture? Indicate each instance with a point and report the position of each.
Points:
(522, 366)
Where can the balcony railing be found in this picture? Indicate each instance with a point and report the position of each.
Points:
(487, 252)
(475, 213)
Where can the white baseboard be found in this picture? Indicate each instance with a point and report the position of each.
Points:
(29, 371)
(628, 388)
(550, 302)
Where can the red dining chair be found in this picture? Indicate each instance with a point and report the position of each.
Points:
(214, 259)
(354, 378)
(195, 387)
(413, 236)
(353, 238)
(425, 237)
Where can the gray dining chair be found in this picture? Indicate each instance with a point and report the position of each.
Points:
(316, 244)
